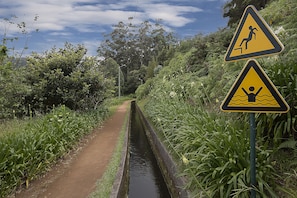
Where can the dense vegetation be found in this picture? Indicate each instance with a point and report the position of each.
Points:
(183, 103)
(63, 76)
(32, 147)
(59, 95)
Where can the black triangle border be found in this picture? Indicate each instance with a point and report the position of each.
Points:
(253, 64)
(278, 47)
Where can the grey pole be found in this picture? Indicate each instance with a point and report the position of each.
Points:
(119, 83)
(253, 154)
(119, 79)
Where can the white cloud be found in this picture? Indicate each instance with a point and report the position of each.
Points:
(172, 15)
(80, 14)
(60, 33)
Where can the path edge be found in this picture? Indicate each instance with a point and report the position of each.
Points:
(119, 188)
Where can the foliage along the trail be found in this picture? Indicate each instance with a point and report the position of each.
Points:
(183, 103)
(32, 148)
(66, 76)
(58, 77)
(182, 85)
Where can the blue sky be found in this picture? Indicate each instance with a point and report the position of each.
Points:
(85, 21)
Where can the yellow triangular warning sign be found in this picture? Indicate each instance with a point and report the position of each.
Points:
(252, 38)
(254, 92)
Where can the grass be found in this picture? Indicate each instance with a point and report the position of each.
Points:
(113, 103)
(12, 126)
(105, 184)
(285, 160)
(214, 147)
(30, 147)
(27, 149)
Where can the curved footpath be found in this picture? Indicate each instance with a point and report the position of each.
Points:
(76, 176)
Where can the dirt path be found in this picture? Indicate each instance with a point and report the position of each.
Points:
(76, 176)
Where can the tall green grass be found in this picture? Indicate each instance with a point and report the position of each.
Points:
(214, 149)
(11, 126)
(183, 104)
(26, 153)
(280, 127)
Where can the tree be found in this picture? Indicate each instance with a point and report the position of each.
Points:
(134, 45)
(11, 69)
(134, 79)
(150, 69)
(110, 70)
(65, 76)
(11, 86)
(234, 9)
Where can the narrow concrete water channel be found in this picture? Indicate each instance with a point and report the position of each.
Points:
(145, 177)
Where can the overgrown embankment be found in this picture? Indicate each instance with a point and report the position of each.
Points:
(183, 101)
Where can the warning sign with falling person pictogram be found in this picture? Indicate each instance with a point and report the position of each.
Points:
(253, 38)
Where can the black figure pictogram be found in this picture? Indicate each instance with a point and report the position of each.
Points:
(251, 95)
(250, 37)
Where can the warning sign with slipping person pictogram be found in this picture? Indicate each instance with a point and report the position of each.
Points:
(253, 38)
(254, 92)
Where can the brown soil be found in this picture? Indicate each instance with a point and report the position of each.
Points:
(76, 175)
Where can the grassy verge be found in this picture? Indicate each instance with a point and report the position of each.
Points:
(30, 147)
(27, 150)
(105, 184)
(13, 126)
(213, 148)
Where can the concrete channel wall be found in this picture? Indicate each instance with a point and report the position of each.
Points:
(165, 161)
(167, 165)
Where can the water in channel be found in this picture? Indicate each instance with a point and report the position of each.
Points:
(145, 178)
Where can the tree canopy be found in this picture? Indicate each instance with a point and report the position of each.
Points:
(234, 8)
(133, 46)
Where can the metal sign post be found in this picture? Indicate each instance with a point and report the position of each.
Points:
(253, 154)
